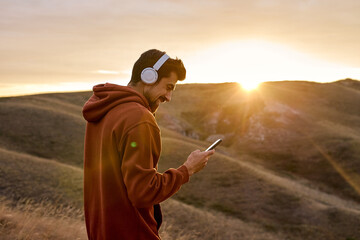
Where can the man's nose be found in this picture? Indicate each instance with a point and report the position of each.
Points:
(168, 96)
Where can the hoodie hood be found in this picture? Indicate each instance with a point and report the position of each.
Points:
(106, 97)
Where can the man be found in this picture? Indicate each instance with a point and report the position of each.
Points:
(122, 188)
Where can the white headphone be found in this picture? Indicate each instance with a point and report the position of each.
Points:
(149, 75)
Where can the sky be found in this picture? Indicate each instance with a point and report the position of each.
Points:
(71, 45)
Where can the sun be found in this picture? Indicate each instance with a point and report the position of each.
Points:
(249, 85)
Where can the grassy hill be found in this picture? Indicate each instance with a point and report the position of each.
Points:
(47, 126)
(256, 195)
(25, 177)
(288, 169)
(303, 129)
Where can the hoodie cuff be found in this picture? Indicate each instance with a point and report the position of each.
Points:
(185, 173)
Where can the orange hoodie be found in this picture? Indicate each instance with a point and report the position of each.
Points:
(122, 188)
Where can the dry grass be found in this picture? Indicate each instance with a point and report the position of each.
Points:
(185, 222)
(40, 221)
(43, 221)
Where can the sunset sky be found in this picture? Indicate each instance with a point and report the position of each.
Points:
(70, 45)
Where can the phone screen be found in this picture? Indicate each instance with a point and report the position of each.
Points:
(212, 146)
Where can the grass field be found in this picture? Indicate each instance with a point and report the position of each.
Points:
(288, 169)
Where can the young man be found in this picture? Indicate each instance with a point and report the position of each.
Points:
(122, 188)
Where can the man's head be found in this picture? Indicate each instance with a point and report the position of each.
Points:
(168, 74)
(149, 58)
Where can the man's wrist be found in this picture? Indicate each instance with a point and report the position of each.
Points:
(189, 170)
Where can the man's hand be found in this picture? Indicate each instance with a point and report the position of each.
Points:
(197, 160)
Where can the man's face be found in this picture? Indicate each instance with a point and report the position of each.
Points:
(161, 91)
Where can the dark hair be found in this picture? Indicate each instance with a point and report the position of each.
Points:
(149, 58)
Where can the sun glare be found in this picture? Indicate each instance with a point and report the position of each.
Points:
(249, 86)
(251, 62)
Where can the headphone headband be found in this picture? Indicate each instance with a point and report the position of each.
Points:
(160, 62)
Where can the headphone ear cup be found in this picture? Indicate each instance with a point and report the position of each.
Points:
(149, 75)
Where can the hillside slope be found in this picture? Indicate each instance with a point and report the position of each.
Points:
(288, 169)
(302, 129)
(23, 176)
(253, 194)
(44, 126)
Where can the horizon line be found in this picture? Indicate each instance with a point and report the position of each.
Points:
(179, 82)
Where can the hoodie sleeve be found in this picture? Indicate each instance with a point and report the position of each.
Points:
(146, 186)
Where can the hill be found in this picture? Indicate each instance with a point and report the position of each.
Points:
(303, 129)
(288, 168)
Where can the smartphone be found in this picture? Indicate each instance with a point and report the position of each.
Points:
(212, 146)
